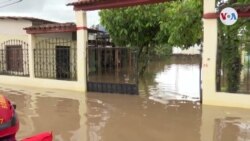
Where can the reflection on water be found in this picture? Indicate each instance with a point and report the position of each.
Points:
(39, 112)
(232, 129)
(156, 115)
(178, 79)
(124, 118)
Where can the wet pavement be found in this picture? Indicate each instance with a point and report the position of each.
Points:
(162, 111)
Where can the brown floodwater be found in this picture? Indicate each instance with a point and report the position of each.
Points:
(162, 111)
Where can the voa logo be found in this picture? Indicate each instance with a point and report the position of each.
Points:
(228, 16)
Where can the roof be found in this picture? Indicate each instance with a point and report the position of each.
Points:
(105, 4)
(57, 28)
(26, 18)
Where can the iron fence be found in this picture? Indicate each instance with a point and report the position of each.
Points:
(14, 58)
(112, 70)
(55, 59)
(114, 64)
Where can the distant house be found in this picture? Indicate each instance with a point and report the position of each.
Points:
(194, 50)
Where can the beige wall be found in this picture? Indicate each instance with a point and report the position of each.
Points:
(13, 27)
(82, 37)
(4, 37)
(210, 96)
(3, 42)
(68, 35)
(19, 34)
(49, 42)
(36, 82)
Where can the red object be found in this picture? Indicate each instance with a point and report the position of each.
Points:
(216, 15)
(106, 4)
(57, 28)
(9, 124)
(46, 136)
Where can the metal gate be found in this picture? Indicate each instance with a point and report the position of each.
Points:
(112, 70)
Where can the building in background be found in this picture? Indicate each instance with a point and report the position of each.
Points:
(194, 50)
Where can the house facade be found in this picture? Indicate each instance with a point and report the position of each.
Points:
(43, 60)
(13, 42)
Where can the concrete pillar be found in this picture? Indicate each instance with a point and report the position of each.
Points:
(209, 52)
(32, 42)
(210, 96)
(208, 67)
(83, 131)
(81, 21)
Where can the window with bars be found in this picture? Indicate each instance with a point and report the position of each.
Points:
(14, 58)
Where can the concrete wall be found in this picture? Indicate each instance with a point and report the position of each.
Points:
(36, 82)
(48, 43)
(13, 27)
(3, 43)
(210, 96)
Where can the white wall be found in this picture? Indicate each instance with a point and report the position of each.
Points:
(68, 35)
(190, 51)
(13, 27)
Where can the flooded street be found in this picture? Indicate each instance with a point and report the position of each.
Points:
(175, 78)
(167, 109)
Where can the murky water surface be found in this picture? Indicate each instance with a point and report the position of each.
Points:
(167, 109)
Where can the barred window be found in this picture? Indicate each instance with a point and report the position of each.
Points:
(14, 58)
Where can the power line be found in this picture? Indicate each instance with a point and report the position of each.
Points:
(6, 1)
(9, 4)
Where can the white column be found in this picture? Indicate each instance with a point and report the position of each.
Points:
(32, 41)
(83, 130)
(81, 21)
(208, 68)
(209, 52)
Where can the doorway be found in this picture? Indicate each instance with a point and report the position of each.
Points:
(62, 62)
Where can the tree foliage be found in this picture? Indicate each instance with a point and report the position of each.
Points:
(182, 23)
(232, 40)
(155, 29)
(177, 23)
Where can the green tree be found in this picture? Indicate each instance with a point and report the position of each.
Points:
(230, 44)
(183, 21)
(155, 29)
